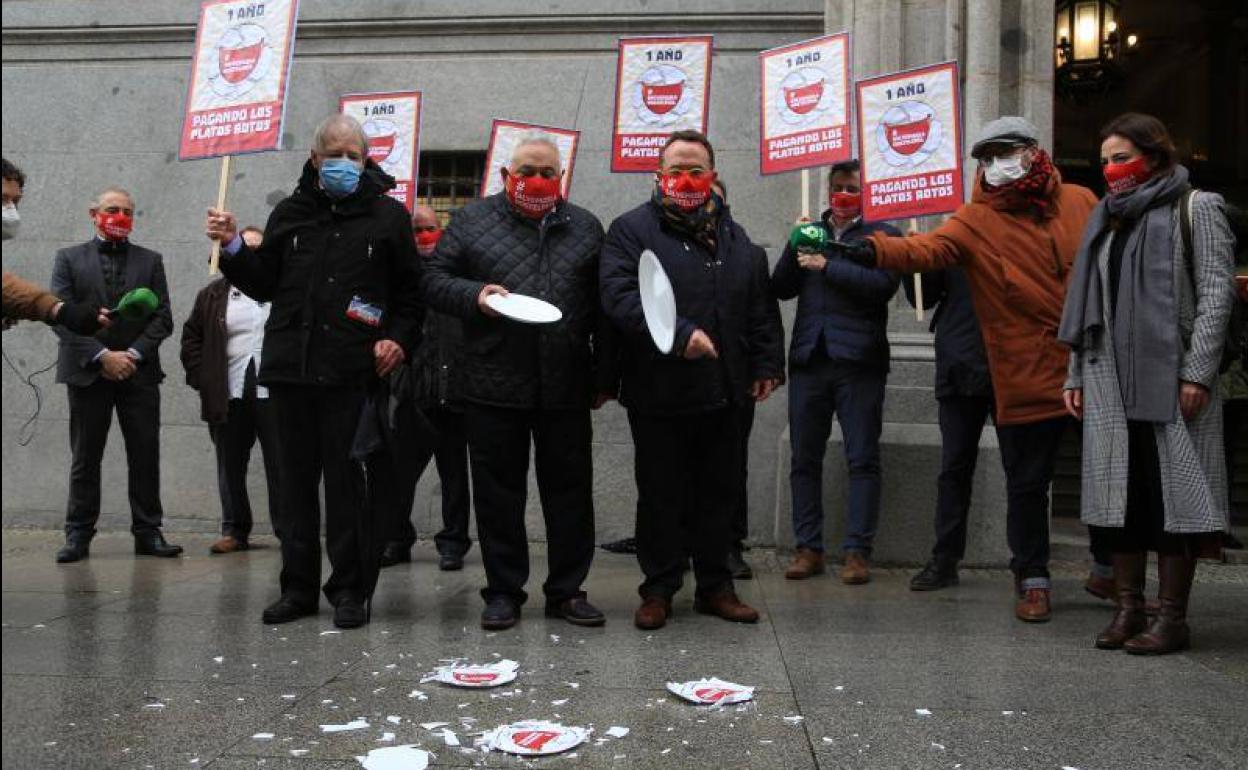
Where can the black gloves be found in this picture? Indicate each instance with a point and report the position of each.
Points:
(79, 318)
(861, 252)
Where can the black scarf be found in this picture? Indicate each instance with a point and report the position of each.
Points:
(701, 225)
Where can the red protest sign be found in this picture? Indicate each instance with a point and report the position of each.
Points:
(236, 100)
(392, 123)
(506, 134)
(910, 132)
(662, 84)
(805, 104)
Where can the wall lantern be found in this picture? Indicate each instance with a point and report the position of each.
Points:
(1088, 46)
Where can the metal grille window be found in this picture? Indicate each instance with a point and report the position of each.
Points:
(449, 180)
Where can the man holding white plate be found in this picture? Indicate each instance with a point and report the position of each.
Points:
(521, 269)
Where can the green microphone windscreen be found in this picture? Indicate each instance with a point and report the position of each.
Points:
(138, 304)
(808, 237)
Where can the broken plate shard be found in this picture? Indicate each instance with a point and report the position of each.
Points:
(358, 724)
(712, 692)
(484, 675)
(534, 739)
(406, 757)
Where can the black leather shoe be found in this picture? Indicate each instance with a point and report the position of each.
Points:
(285, 610)
(72, 551)
(934, 576)
(450, 562)
(154, 544)
(577, 611)
(738, 566)
(350, 613)
(500, 613)
(395, 553)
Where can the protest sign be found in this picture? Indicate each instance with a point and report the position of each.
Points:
(804, 112)
(392, 123)
(662, 85)
(909, 129)
(505, 134)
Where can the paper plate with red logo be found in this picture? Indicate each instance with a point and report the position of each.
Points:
(536, 739)
(712, 692)
(475, 676)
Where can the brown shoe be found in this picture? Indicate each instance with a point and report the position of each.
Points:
(1033, 606)
(653, 613)
(855, 571)
(1168, 632)
(1129, 620)
(229, 544)
(806, 562)
(1100, 587)
(726, 605)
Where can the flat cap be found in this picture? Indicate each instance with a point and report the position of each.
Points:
(1010, 128)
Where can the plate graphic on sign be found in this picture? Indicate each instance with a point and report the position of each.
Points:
(908, 134)
(660, 97)
(243, 59)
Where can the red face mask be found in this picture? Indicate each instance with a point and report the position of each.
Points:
(426, 240)
(114, 227)
(532, 196)
(685, 190)
(1122, 177)
(845, 205)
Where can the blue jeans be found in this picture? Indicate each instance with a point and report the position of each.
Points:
(854, 393)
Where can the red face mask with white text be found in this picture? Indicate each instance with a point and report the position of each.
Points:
(426, 240)
(533, 196)
(1123, 177)
(116, 226)
(687, 190)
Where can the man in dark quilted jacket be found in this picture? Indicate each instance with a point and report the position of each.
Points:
(527, 383)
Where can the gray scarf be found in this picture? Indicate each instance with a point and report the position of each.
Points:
(1147, 349)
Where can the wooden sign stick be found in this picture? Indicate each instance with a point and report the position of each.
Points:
(222, 186)
(918, 283)
(805, 194)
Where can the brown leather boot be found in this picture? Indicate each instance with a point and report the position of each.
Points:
(653, 613)
(1168, 631)
(806, 562)
(726, 605)
(228, 544)
(1101, 587)
(856, 570)
(1129, 619)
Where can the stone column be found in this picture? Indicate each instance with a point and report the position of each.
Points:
(982, 85)
(1035, 66)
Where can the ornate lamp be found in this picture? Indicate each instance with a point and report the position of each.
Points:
(1088, 46)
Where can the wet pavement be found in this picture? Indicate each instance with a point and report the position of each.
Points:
(137, 662)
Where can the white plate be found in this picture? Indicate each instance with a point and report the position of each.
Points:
(711, 692)
(486, 675)
(525, 309)
(537, 738)
(658, 301)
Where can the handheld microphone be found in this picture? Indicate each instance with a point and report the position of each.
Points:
(136, 305)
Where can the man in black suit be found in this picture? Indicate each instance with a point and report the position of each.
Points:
(118, 368)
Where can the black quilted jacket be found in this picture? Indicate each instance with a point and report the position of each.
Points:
(506, 363)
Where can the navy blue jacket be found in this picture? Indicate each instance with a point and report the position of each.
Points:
(845, 306)
(961, 364)
(724, 294)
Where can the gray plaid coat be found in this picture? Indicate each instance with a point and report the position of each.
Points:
(1193, 471)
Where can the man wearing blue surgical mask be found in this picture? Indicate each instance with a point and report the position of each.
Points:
(339, 264)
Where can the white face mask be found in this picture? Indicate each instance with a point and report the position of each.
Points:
(1005, 170)
(12, 221)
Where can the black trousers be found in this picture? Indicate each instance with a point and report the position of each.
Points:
(1028, 454)
(685, 467)
(741, 507)
(315, 428)
(962, 421)
(498, 442)
(249, 418)
(90, 418)
(450, 454)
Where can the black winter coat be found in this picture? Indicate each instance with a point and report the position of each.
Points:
(961, 363)
(725, 294)
(204, 342)
(318, 255)
(439, 365)
(511, 364)
(845, 307)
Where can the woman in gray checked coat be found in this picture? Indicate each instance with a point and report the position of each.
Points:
(1146, 319)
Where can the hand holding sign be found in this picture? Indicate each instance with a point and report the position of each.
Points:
(221, 226)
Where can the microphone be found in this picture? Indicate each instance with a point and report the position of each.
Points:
(136, 305)
(808, 237)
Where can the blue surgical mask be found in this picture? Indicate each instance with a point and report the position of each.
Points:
(339, 176)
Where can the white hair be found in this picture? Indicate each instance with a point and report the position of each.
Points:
(95, 202)
(336, 126)
(537, 136)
